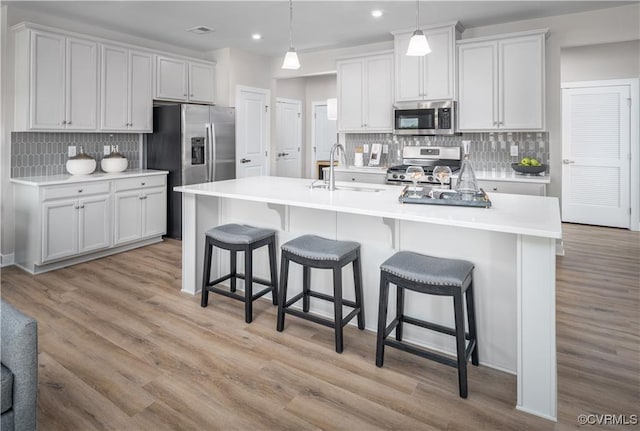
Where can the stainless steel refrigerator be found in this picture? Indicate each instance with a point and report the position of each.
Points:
(196, 144)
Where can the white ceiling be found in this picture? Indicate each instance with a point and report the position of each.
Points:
(317, 24)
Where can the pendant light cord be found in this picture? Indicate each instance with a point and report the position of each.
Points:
(290, 24)
(417, 14)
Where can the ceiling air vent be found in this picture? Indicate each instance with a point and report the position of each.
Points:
(201, 30)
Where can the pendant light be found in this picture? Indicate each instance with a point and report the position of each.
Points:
(291, 58)
(418, 45)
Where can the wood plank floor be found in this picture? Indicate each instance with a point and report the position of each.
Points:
(122, 349)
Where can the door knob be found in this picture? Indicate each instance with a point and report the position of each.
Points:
(567, 162)
(243, 160)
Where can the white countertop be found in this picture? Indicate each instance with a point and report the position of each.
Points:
(96, 176)
(517, 214)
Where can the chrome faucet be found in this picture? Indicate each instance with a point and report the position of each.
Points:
(332, 177)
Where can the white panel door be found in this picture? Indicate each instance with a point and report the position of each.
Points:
(289, 138)
(47, 81)
(378, 94)
(595, 153)
(127, 219)
(171, 78)
(477, 86)
(154, 212)
(324, 134)
(438, 77)
(59, 229)
(408, 71)
(114, 100)
(351, 95)
(521, 90)
(201, 82)
(252, 131)
(81, 84)
(140, 92)
(94, 224)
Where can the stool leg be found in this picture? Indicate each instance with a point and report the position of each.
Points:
(382, 319)
(208, 247)
(399, 311)
(234, 256)
(306, 287)
(460, 344)
(471, 319)
(337, 307)
(248, 285)
(357, 282)
(274, 271)
(284, 276)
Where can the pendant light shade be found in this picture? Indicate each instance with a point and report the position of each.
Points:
(418, 44)
(291, 57)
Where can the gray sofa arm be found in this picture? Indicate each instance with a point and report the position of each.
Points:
(20, 354)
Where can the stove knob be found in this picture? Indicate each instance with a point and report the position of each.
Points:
(395, 176)
(402, 177)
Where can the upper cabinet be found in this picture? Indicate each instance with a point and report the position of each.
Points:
(56, 81)
(432, 76)
(365, 94)
(501, 82)
(183, 80)
(126, 92)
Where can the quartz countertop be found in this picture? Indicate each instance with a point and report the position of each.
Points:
(72, 179)
(517, 214)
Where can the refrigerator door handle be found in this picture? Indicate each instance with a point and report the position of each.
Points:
(212, 151)
(207, 151)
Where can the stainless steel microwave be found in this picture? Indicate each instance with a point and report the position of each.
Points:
(436, 117)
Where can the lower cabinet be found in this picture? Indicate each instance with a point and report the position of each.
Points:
(139, 213)
(533, 189)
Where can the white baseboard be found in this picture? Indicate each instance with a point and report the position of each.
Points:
(6, 260)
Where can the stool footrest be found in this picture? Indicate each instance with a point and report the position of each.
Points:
(261, 293)
(311, 317)
(428, 325)
(331, 298)
(350, 316)
(422, 352)
(391, 327)
(255, 280)
(469, 351)
(293, 300)
(225, 293)
(219, 280)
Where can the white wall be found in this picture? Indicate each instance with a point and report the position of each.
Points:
(603, 61)
(603, 26)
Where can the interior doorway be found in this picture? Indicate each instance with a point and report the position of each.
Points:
(323, 136)
(289, 137)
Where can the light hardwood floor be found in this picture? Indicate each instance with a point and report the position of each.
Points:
(122, 349)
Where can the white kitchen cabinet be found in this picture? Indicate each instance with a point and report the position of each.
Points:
(184, 80)
(365, 94)
(501, 82)
(56, 81)
(431, 77)
(126, 97)
(513, 187)
(74, 220)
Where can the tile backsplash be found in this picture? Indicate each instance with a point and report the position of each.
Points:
(488, 151)
(43, 153)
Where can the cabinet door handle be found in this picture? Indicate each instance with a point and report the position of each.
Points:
(567, 162)
(64, 122)
(143, 183)
(185, 94)
(82, 206)
(191, 95)
(68, 122)
(77, 207)
(79, 190)
(495, 189)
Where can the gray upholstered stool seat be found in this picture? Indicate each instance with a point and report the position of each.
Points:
(244, 239)
(7, 389)
(239, 233)
(432, 276)
(318, 248)
(428, 270)
(311, 251)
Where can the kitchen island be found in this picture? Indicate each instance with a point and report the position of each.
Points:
(511, 244)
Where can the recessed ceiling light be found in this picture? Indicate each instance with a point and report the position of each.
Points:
(256, 36)
(201, 29)
(376, 13)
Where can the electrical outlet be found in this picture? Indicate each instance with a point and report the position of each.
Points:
(385, 149)
(72, 150)
(106, 150)
(514, 150)
(365, 148)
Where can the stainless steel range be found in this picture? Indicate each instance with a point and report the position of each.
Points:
(428, 158)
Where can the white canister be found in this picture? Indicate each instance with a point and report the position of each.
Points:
(358, 159)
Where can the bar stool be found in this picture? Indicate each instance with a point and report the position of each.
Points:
(243, 238)
(433, 276)
(312, 251)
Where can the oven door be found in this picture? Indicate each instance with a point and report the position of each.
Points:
(421, 121)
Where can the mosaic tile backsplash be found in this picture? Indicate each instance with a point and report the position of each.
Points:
(38, 154)
(488, 151)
